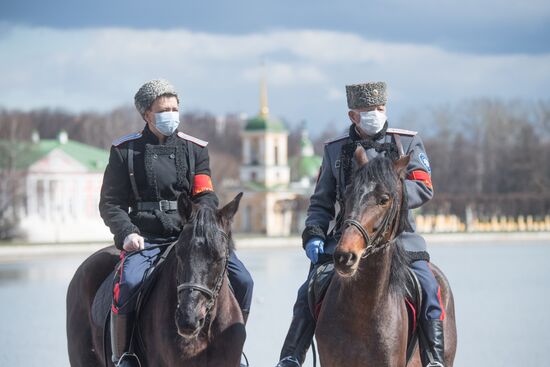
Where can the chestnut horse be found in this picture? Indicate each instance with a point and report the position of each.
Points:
(363, 320)
(190, 317)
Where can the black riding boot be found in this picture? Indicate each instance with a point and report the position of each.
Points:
(433, 331)
(245, 319)
(297, 342)
(121, 326)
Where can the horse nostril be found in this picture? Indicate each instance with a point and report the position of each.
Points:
(351, 259)
(346, 258)
(340, 259)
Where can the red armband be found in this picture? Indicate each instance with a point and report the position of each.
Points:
(423, 176)
(202, 183)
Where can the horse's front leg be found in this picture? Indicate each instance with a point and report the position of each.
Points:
(226, 345)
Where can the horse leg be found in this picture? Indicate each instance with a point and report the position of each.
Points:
(229, 333)
(226, 348)
(366, 332)
(79, 333)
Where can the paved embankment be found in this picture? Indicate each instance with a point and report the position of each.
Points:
(10, 252)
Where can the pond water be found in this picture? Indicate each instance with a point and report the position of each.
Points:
(502, 295)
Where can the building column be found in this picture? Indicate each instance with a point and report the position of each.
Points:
(47, 200)
(31, 195)
(246, 151)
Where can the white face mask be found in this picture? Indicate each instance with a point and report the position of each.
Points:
(372, 121)
(167, 122)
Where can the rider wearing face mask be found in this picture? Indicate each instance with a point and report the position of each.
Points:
(369, 129)
(147, 171)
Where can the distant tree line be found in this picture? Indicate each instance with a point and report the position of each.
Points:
(489, 157)
(100, 129)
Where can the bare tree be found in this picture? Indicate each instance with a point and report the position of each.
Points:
(490, 155)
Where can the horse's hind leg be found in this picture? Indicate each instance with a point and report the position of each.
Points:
(79, 331)
(84, 340)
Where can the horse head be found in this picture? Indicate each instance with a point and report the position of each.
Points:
(375, 210)
(202, 251)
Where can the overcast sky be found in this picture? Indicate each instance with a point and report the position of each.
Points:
(94, 55)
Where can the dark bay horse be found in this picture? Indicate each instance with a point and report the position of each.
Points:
(363, 320)
(190, 318)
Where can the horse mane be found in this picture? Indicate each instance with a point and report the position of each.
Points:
(205, 225)
(380, 170)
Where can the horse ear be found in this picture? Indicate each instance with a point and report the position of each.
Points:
(361, 156)
(401, 164)
(229, 210)
(185, 207)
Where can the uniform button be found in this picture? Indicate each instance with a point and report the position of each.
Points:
(172, 156)
(155, 156)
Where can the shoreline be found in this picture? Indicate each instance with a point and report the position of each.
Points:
(24, 251)
(437, 239)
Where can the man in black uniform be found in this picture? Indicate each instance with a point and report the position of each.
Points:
(147, 171)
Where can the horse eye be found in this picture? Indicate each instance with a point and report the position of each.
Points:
(383, 200)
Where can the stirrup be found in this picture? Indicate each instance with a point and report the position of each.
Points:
(290, 359)
(130, 356)
(246, 360)
(434, 364)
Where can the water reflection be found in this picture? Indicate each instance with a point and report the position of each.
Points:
(50, 269)
(501, 295)
(12, 274)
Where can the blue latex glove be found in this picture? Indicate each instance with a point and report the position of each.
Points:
(314, 247)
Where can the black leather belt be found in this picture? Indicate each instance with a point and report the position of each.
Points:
(163, 205)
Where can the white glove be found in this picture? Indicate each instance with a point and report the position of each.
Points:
(133, 242)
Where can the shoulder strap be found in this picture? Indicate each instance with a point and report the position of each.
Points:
(393, 130)
(399, 145)
(197, 141)
(341, 137)
(127, 137)
(191, 157)
(131, 170)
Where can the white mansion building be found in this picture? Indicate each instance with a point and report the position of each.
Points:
(50, 190)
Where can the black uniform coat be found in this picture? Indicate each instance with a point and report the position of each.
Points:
(161, 173)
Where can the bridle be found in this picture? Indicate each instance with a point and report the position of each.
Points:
(374, 244)
(211, 294)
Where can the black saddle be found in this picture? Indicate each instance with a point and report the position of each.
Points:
(103, 300)
(318, 285)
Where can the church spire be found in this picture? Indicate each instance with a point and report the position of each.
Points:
(264, 109)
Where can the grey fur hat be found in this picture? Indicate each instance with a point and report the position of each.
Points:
(366, 95)
(150, 91)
